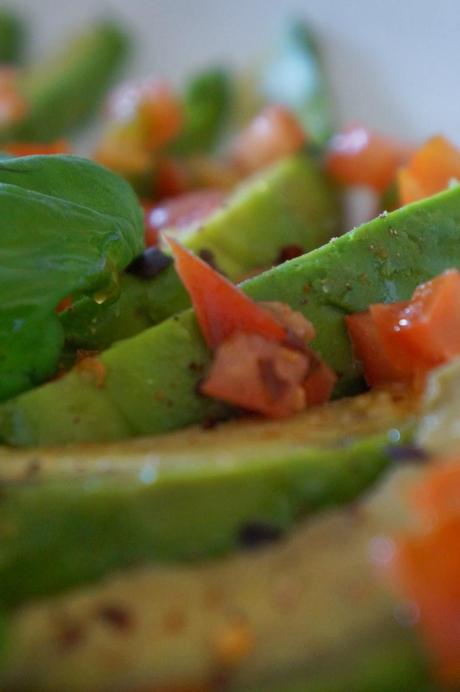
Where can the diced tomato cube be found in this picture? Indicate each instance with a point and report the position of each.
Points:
(359, 156)
(426, 565)
(259, 375)
(430, 170)
(272, 135)
(369, 349)
(320, 382)
(181, 212)
(430, 324)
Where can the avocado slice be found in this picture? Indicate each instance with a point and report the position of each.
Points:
(207, 104)
(152, 378)
(92, 509)
(64, 89)
(11, 37)
(291, 204)
(308, 613)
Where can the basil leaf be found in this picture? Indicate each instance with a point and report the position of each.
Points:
(67, 227)
(294, 76)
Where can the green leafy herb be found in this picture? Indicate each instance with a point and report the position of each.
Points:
(67, 226)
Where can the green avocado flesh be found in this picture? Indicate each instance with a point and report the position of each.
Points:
(91, 509)
(151, 379)
(313, 611)
(63, 90)
(291, 204)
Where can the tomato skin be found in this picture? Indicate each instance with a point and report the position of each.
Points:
(60, 146)
(431, 331)
(261, 359)
(367, 345)
(64, 304)
(171, 178)
(386, 318)
(426, 564)
(221, 308)
(397, 342)
(358, 156)
(181, 212)
(272, 135)
(429, 170)
(13, 105)
(151, 104)
(319, 384)
(259, 375)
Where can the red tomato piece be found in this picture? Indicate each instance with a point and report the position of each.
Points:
(438, 495)
(13, 105)
(172, 178)
(181, 212)
(403, 341)
(386, 318)
(221, 308)
(64, 304)
(320, 382)
(272, 135)
(427, 565)
(428, 569)
(359, 156)
(430, 325)
(154, 105)
(430, 170)
(369, 349)
(60, 146)
(259, 375)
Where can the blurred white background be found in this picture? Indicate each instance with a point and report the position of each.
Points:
(393, 64)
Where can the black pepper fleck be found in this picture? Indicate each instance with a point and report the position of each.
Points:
(397, 453)
(149, 264)
(254, 534)
(208, 257)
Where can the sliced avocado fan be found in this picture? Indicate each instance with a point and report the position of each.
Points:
(290, 205)
(151, 380)
(306, 613)
(89, 510)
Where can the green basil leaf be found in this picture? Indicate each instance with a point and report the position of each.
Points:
(67, 227)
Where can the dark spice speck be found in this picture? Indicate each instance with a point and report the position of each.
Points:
(208, 257)
(115, 616)
(408, 452)
(69, 635)
(149, 264)
(257, 533)
(289, 252)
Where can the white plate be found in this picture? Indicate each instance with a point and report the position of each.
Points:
(393, 64)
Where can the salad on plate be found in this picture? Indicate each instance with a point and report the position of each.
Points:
(229, 425)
